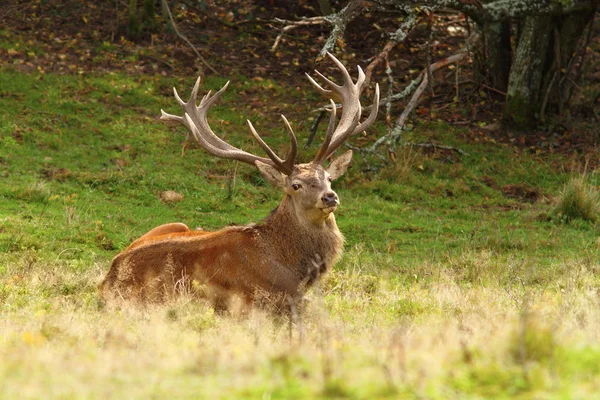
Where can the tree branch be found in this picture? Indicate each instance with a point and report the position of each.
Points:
(398, 128)
(289, 25)
(395, 38)
(494, 10)
(338, 21)
(174, 25)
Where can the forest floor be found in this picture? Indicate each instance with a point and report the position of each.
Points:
(460, 278)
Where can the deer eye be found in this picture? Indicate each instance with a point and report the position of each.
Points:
(296, 186)
(329, 179)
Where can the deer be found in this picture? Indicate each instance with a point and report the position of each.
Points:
(279, 258)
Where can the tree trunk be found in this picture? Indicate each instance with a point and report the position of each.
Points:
(138, 22)
(133, 22)
(570, 43)
(543, 75)
(523, 95)
(497, 53)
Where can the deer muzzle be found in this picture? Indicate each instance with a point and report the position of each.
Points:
(330, 199)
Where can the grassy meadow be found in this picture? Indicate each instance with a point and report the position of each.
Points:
(460, 279)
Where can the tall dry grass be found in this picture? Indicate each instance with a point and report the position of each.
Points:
(363, 335)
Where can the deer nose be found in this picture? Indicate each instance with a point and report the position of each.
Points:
(330, 199)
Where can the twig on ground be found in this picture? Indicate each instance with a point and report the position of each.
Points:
(437, 146)
(492, 89)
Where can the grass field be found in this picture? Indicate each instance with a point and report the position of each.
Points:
(459, 280)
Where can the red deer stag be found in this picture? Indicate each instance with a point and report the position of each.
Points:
(280, 256)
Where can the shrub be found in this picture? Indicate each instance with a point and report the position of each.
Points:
(578, 199)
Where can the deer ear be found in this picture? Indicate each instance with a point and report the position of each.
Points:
(271, 174)
(339, 165)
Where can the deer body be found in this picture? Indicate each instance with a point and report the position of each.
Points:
(282, 255)
(277, 258)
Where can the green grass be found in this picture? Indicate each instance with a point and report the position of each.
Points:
(454, 283)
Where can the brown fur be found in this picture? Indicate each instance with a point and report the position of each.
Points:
(277, 258)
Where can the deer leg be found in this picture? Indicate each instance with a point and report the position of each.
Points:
(220, 304)
(294, 311)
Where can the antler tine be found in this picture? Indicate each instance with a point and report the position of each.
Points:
(372, 115)
(329, 82)
(190, 106)
(194, 119)
(205, 98)
(276, 160)
(178, 98)
(330, 129)
(342, 68)
(361, 76)
(358, 127)
(287, 165)
(349, 95)
(319, 88)
(232, 154)
(194, 94)
(290, 161)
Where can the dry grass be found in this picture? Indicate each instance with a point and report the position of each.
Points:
(579, 198)
(362, 336)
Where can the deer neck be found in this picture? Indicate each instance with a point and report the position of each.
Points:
(301, 238)
(296, 217)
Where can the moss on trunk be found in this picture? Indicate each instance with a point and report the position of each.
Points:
(523, 95)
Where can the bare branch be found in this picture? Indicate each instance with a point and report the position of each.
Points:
(314, 126)
(338, 21)
(395, 38)
(174, 25)
(289, 25)
(495, 10)
(413, 101)
(399, 125)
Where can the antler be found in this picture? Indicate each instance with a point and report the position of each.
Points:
(349, 95)
(194, 119)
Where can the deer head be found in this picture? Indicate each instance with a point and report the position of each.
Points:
(308, 185)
